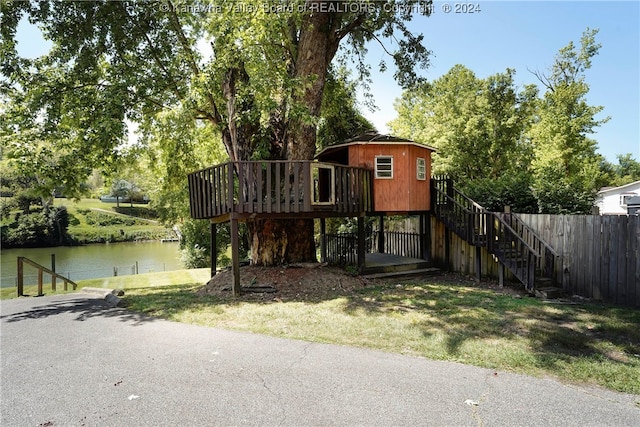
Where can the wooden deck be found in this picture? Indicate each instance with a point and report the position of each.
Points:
(252, 189)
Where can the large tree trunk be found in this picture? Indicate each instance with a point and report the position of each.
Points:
(281, 241)
(276, 242)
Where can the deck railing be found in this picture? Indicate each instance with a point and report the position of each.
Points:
(342, 248)
(278, 187)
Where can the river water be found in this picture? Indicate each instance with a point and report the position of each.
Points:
(92, 261)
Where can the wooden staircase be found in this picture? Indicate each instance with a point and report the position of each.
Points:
(515, 245)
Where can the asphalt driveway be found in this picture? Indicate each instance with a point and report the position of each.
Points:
(73, 361)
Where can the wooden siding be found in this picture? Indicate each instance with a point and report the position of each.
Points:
(404, 192)
(419, 190)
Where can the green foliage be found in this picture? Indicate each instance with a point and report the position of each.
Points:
(566, 167)
(114, 62)
(508, 148)
(508, 190)
(44, 227)
(477, 125)
(625, 172)
(195, 245)
(137, 211)
(340, 118)
(103, 219)
(173, 146)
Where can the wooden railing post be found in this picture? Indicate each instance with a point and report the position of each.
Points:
(40, 292)
(53, 268)
(20, 273)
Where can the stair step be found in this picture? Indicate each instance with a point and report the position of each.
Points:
(543, 282)
(418, 272)
(550, 292)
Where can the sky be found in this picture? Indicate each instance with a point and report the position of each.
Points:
(526, 36)
(522, 35)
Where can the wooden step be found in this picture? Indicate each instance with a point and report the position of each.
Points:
(397, 268)
(550, 292)
(418, 272)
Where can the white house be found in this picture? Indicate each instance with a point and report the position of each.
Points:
(613, 200)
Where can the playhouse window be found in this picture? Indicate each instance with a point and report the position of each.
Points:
(421, 169)
(323, 184)
(384, 167)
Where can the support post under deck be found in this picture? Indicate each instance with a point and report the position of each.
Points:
(323, 240)
(361, 244)
(381, 234)
(214, 249)
(235, 257)
(478, 263)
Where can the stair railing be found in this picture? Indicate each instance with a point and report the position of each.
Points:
(515, 244)
(459, 213)
(41, 270)
(549, 258)
(512, 251)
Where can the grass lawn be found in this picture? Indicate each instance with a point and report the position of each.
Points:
(583, 343)
(92, 221)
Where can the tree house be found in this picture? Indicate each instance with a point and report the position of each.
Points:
(371, 174)
(401, 170)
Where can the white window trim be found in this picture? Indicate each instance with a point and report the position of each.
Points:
(624, 196)
(332, 184)
(423, 167)
(377, 171)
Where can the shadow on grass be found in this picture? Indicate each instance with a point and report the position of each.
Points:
(549, 337)
(555, 332)
(167, 301)
(462, 312)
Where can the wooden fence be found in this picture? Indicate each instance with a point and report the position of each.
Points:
(599, 255)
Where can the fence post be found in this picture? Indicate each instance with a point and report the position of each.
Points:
(381, 235)
(478, 263)
(20, 273)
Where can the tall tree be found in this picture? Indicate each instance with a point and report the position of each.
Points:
(625, 172)
(264, 80)
(477, 124)
(566, 166)
(340, 117)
